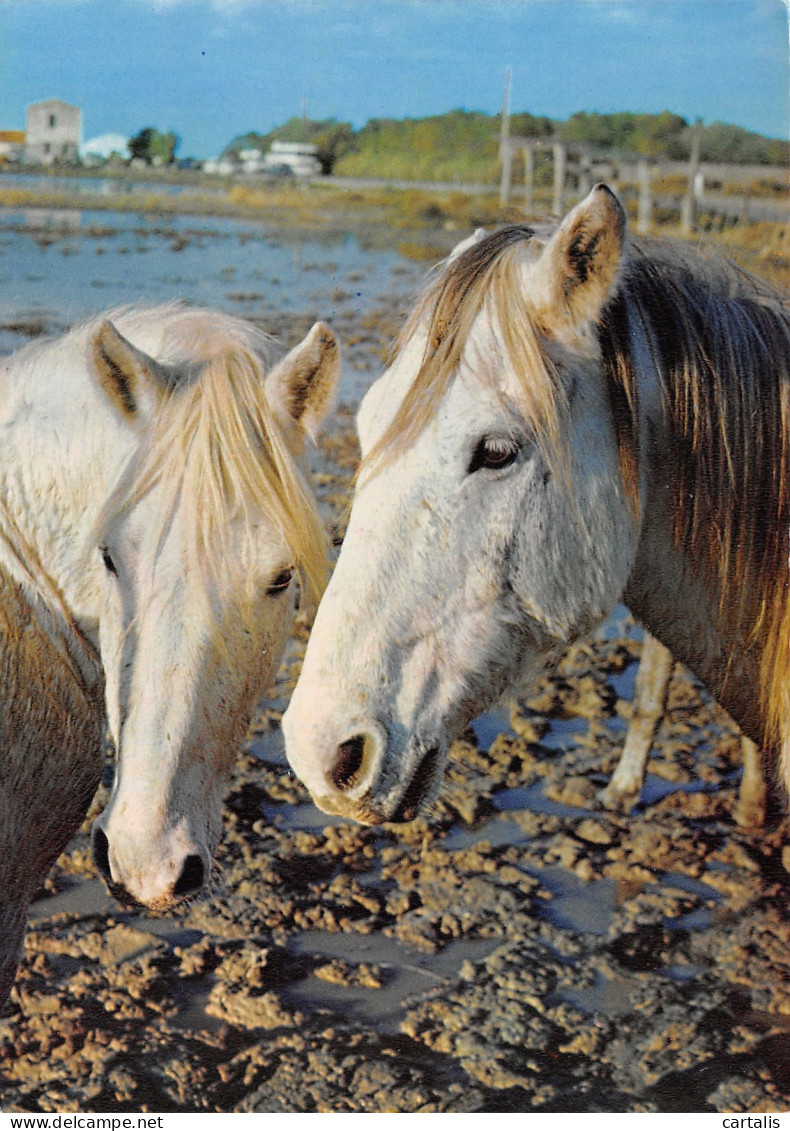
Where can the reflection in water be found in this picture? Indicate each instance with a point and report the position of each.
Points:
(579, 905)
(405, 973)
(532, 797)
(82, 899)
(53, 219)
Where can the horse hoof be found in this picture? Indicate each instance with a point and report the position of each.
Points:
(617, 800)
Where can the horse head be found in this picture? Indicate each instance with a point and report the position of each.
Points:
(198, 549)
(490, 524)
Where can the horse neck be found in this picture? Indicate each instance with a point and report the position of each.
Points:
(711, 566)
(51, 753)
(677, 598)
(671, 595)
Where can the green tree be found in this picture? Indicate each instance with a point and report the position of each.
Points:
(463, 145)
(661, 135)
(732, 144)
(654, 135)
(153, 147)
(527, 125)
(334, 139)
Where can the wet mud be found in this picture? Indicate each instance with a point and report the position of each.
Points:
(517, 949)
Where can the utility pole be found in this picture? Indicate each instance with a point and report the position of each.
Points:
(504, 143)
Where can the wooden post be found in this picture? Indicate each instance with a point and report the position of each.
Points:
(529, 177)
(559, 177)
(688, 207)
(507, 160)
(585, 173)
(645, 206)
(505, 151)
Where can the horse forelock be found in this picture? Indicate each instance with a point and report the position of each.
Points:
(217, 443)
(483, 279)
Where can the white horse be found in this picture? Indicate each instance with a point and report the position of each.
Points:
(151, 498)
(566, 423)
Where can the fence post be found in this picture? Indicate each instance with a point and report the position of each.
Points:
(505, 149)
(506, 154)
(529, 177)
(688, 207)
(645, 206)
(559, 177)
(585, 173)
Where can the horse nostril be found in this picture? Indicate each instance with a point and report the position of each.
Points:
(351, 754)
(101, 853)
(192, 876)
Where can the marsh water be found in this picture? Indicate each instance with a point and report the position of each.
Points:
(61, 266)
(517, 949)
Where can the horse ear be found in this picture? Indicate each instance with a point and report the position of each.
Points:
(123, 371)
(302, 385)
(477, 235)
(578, 267)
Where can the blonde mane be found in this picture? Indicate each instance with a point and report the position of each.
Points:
(216, 442)
(720, 341)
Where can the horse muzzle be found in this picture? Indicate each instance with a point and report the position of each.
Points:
(364, 776)
(157, 880)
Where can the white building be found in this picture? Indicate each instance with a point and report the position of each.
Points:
(295, 156)
(53, 132)
(12, 145)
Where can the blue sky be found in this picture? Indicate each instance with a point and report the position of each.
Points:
(212, 69)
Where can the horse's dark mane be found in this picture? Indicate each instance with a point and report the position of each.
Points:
(721, 343)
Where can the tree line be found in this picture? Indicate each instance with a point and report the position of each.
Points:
(464, 145)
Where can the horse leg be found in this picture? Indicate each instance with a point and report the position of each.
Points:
(753, 796)
(650, 696)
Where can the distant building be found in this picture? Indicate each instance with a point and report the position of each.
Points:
(220, 166)
(53, 132)
(252, 161)
(12, 145)
(293, 157)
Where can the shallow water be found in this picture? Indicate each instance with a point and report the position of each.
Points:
(58, 267)
(406, 973)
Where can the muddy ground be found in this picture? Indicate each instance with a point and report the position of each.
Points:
(516, 950)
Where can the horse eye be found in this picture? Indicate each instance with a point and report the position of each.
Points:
(494, 452)
(281, 582)
(109, 564)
